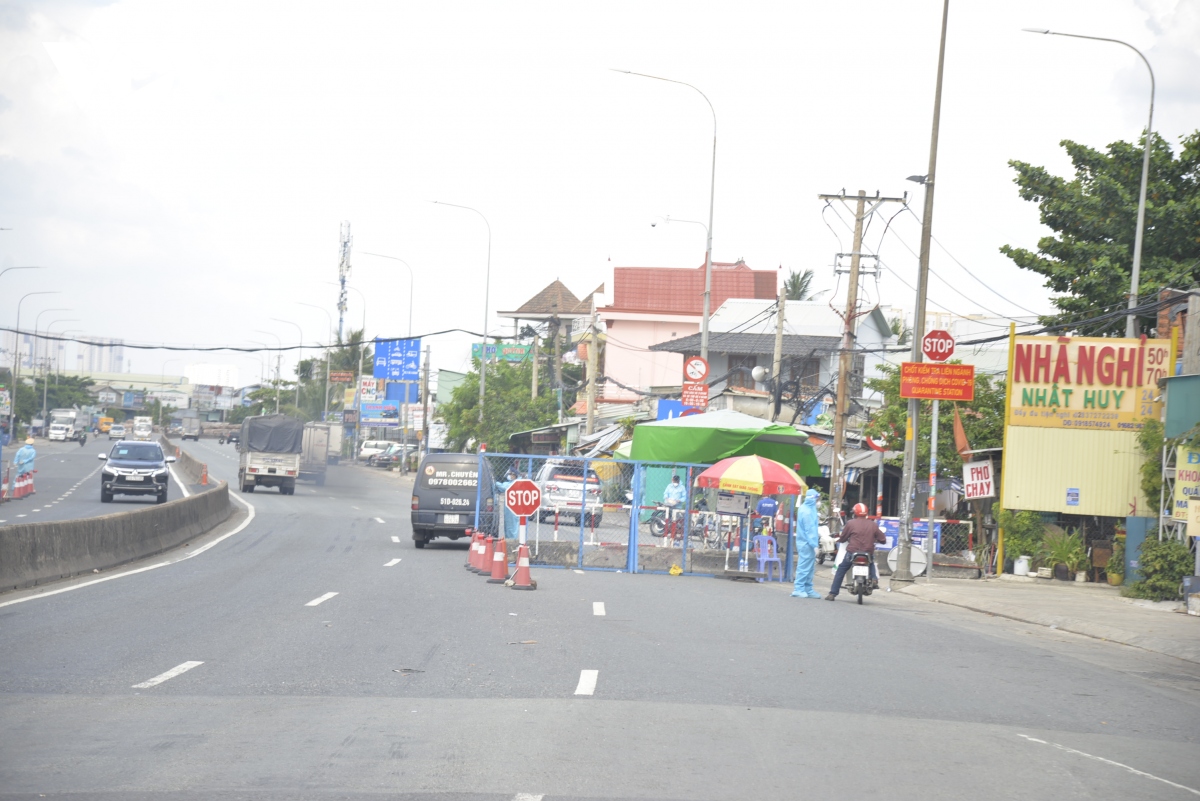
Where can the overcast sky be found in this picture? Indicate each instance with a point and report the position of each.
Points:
(182, 169)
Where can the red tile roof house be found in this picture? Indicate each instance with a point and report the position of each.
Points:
(657, 304)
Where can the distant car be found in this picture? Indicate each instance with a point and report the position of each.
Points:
(372, 447)
(117, 431)
(134, 468)
(389, 458)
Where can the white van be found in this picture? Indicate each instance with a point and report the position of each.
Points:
(372, 447)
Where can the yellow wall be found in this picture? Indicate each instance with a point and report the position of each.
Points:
(1040, 464)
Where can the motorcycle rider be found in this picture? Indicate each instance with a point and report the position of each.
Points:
(860, 536)
(807, 540)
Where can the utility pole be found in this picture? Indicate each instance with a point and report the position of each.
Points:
(537, 354)
(777, 363)
(846, 351)
(425, 402)
(278, 379)
(592, 370)
(903, 571)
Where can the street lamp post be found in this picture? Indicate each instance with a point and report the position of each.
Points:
(46, 360)
(12, 416)
(299, 357)
(1136, 271)
(487, 283)
(37, 322)
(712, 191)
(278, 357)
(162, 382)
(328, 341)
(404, 445)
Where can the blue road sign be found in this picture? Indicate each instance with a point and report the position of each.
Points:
(398, 359)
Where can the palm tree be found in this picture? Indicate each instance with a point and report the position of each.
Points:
(798, 286)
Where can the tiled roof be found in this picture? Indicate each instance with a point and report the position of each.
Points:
(750, 344)
(676, 290)
(585, 306)
(554, 299)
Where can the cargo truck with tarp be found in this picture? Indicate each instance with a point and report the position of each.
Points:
(269, 452)
(315, 456)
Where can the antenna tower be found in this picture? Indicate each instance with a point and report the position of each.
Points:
(343, 274)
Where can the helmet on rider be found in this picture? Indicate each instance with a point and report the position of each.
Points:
(860, 510)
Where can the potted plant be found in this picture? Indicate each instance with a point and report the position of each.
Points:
(1116, 563)
(1064, 552)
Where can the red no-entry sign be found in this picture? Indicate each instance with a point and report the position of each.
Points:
(523, 498)
(937, 345)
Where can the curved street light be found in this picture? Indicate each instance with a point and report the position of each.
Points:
(12, 415)
(278, 357)
(299, 356)
(712, 191)
(328, 344)
(1136, 270)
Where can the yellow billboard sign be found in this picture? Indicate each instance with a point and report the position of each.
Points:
(1187, 482)
(1086, 383)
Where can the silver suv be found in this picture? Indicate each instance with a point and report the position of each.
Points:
(563, 489)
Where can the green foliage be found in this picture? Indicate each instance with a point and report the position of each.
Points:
(983, 419)
(1150, 442)
(507, 408)
(1063, 548)
(60, 392)
(900, 330)
(1116, 562)
(1088, 261)
(1162, 566)
(798, 286)
(1023, 532)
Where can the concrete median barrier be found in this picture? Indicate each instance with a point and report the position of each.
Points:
(191, 467)
(36, 553)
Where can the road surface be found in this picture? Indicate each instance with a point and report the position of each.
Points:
(315, 653)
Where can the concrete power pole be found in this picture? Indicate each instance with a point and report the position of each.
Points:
(425, 403)
(846, 351)
(592, 370)
(537, 353)
(777, 362)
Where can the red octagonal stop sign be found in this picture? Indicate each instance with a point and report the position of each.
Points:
(523, 498)
(937, 345)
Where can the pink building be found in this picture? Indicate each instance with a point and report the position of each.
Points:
(657, 304)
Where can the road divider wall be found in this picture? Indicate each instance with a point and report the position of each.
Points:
(191, 466)
(36, 553)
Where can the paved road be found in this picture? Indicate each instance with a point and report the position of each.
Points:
(309, 655)
(68, 485)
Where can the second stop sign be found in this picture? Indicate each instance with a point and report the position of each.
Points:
(937, 345)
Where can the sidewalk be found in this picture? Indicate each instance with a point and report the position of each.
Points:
(1090, 609)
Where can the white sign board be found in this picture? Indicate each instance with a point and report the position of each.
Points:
(979, 480)
(733, 503)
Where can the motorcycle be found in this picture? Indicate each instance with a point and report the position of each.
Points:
(220, 440)
(83, 439)
(860, 575)
(827, 548)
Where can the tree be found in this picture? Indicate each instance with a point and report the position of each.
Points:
(1088, 261)
(983, 418)
(507, 407)
(798, 286)
(61, 392)
(900, 330)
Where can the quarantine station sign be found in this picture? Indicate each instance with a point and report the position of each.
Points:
(1086, 383)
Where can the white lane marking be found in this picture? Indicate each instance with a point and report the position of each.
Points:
(170, 674)
(395, 539)
(580, 572)
(528, 797)
(587, 682)
(379, 520)
(182, 487)
(321, 600)
(354, 507)
(392, 563)
(241, 527)
(1110, 762)
(598, 608)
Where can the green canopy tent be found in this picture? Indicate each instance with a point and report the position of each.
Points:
(707, 438)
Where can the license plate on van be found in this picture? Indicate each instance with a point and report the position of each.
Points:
(450, 519)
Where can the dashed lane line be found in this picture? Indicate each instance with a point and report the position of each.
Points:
(170, 674)
(598, 608)
(378, 519)
(587, 682)
(395, 539)
(321, 600)
(1134, 771)
(392, 563)
(528, 797)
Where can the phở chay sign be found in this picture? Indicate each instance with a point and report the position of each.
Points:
(978, 480)
(1086, 383)
(928, 381)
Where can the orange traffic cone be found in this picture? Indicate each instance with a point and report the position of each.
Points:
(471, 550)
(485, 558)
(203, 475)
(499, 562)
(521, 579)
(477, 553)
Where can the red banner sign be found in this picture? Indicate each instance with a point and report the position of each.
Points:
(695, 395)
(927, 381)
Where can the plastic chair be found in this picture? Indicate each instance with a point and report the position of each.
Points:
(767, 551)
